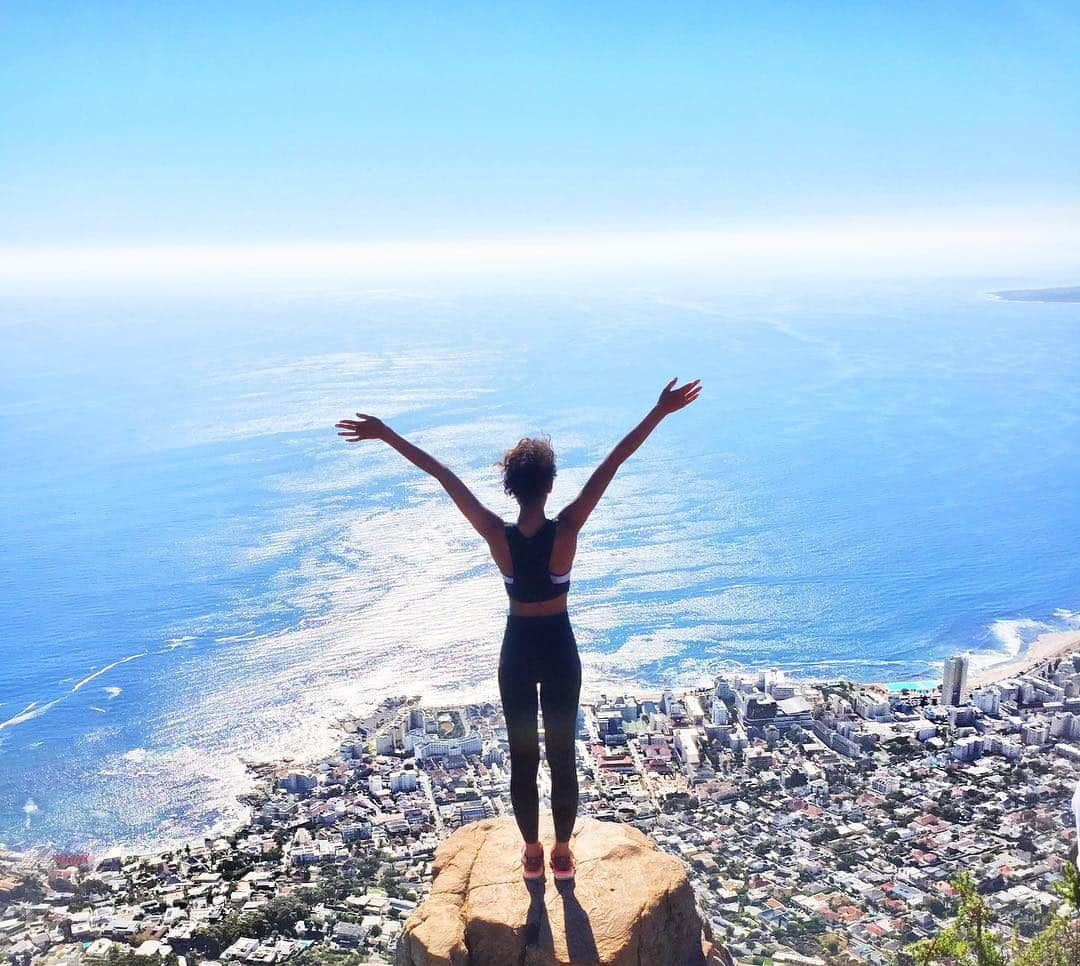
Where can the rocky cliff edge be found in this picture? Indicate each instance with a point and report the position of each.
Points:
(629, 905)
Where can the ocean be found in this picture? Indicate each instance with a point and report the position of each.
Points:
(197, 568)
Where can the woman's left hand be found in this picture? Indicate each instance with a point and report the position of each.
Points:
(366, 427)
(671, 400)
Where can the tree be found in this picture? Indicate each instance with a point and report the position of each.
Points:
(389, 884)
(938, 908)
(1059, 943)
(29, 890)
(283, 912)
(215, 938)
(831, 943)
(969, 940)
(125, 956)
(367, 865)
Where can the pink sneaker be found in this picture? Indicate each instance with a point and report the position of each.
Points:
(562, 865)
(532, 866)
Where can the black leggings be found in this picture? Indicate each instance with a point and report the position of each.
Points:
(541, 650)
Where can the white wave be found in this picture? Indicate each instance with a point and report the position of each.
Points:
(107, 667)
(862, 661)
(94, 707)
(32, 710)
(662, 644)
(1015, 634)
(112, 691)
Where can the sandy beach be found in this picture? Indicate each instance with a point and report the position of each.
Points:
(1043, 648)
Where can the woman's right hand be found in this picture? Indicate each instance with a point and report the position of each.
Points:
(366, 427)
(673, 399)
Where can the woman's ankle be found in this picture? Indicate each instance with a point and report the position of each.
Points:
(534, 848)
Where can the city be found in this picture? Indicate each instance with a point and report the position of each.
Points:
(819, 822)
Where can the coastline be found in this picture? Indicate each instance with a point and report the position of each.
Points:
(262, 854)
(1045, 647)
(1062, 294)
(1042, 649)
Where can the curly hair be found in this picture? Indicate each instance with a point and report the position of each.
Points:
(528, 469)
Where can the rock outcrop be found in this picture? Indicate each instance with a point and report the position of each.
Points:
(629, 905)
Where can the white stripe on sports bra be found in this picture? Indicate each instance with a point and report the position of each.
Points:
(555, 578)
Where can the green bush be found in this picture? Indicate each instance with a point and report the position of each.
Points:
(970, 939)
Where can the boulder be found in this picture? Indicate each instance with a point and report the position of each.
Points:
(630, 904)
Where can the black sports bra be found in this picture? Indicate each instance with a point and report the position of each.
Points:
(532, 580)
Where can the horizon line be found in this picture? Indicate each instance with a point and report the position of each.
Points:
(917, 242)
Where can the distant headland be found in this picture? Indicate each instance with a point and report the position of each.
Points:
(1066, 294)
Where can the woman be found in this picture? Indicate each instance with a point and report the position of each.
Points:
(535, 556)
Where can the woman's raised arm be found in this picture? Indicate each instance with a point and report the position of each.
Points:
(484, 521)
(577, 512)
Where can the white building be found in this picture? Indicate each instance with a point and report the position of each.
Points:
(428, 746)
(687, 747)
(885, 784)
(968, 749)
(694, 709)
(720, 713)
(724, 687)
(871, 707)
(403, 781)
(1035, 733)
(987, 700)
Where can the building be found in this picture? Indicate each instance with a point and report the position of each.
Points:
(755, 708)
(428, 746)
(689, 754)
(720, 714)
(1035, 733)
(298, 782)
(987, 700)
(724, 688)
(791, 713)
(403, 781)
(872, 707)
(954, 680)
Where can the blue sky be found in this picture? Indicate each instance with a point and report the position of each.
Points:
(162, 123)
